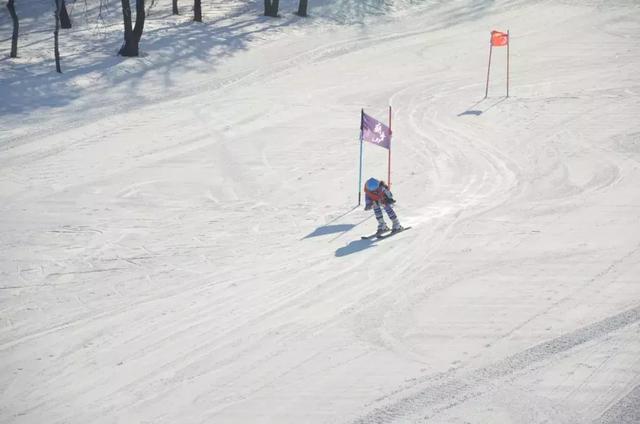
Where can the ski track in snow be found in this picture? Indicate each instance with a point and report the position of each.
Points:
(447, 391)
(198, 258)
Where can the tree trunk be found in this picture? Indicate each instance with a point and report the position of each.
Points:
(271, 8)
(175, 7)
(132, 36)
(65, 21)
(127, 48)
(140, 17)
(197, 11)
(56, 51)
(14, 37)
(302, 8)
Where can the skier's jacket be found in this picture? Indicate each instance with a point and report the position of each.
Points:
(381, 196)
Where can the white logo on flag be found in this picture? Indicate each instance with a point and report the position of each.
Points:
(379, 132)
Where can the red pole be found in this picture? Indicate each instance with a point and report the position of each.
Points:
(508, 43)
(389, 160)
(486, 91)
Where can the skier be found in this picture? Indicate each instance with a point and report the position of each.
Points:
(377, 195)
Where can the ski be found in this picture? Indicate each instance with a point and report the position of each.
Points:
(374, 235)
(384, 235)
(392, 233)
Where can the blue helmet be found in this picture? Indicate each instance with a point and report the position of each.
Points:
(372, 184)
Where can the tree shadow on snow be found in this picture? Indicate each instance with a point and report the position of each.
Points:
(94, 65)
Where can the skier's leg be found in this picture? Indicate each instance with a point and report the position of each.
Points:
(394, 218)
(382, 226)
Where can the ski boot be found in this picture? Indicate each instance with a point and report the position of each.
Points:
(382, 229)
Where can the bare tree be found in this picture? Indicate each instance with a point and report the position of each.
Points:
(65, 21)
(133, 35)
(16, 24)
(151, 4)
(302, 8)
(56, 50)
(197, 10)
(175, 7)
(271, 8)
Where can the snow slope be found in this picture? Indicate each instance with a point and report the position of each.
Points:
(179, 241)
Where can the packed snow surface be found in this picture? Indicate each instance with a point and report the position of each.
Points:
(180, 241)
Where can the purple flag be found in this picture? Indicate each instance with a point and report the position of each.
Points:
(375, 132)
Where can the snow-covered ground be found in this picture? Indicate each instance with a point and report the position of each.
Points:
(180, 243)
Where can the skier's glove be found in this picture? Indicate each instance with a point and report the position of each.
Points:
(390, 201)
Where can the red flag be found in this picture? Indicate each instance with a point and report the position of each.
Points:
(499, 39)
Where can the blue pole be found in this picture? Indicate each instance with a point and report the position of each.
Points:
(360, 172)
